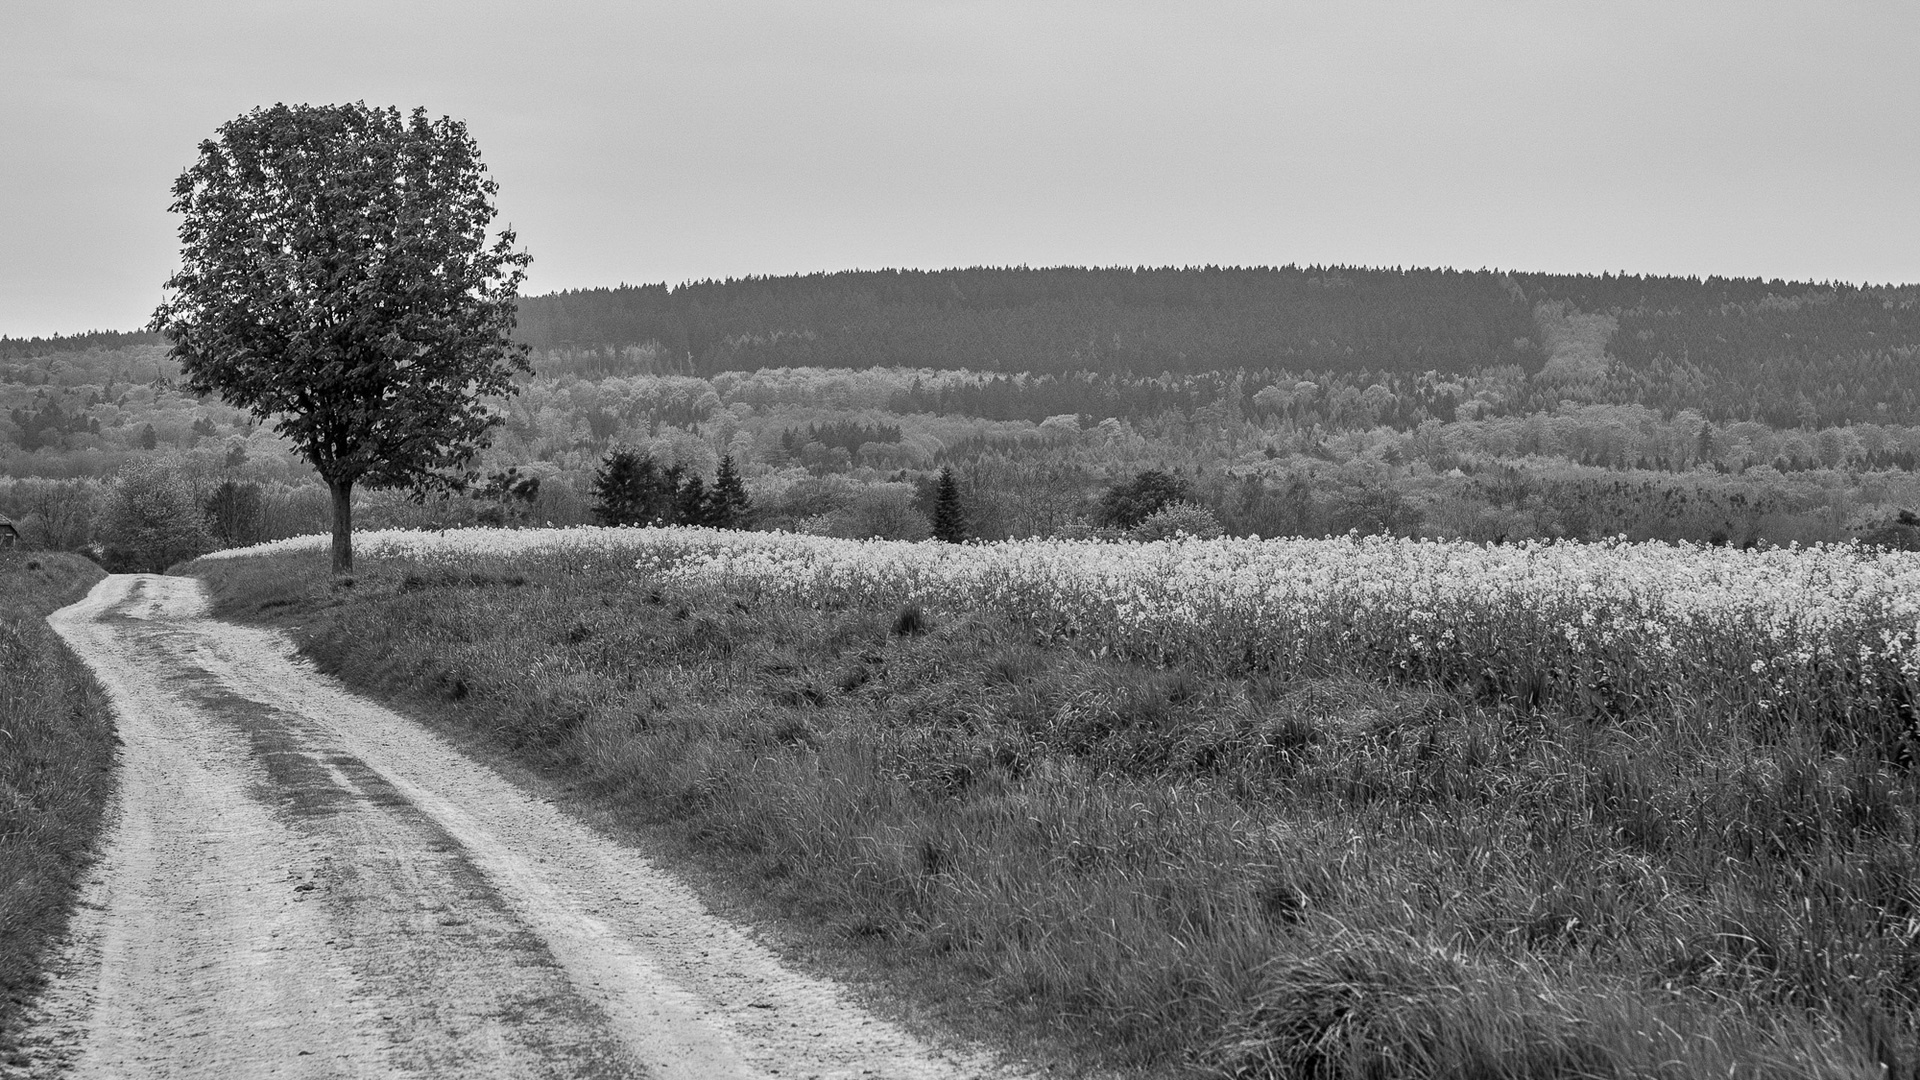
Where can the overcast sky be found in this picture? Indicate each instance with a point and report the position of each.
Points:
(669, 142)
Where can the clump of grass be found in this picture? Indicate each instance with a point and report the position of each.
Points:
(911, 622)
(1172, 868)
(56, 752)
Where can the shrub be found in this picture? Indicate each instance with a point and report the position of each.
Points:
(1178, 519)
(1902, 533)
(878, 512)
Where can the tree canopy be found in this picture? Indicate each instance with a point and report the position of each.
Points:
(338, 278)
(1128, 503)
(150, 521)
(949, 516)
(629, 489)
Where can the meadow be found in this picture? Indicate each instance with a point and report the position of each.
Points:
(56, 750)
(1316, 808)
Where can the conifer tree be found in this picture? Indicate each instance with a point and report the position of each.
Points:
(615, 489)
(728, 506)
(949, 517)
(690, 502)
(628, 489)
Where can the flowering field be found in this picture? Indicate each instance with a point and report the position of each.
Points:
(1781, 637)
(1612, 809)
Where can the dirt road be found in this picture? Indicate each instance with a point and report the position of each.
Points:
(296, 882)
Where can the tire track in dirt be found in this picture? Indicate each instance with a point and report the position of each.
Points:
(297, 882)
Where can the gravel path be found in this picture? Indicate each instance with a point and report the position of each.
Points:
(297, 882)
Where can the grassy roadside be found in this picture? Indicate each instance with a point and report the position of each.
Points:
(56, 755)
(1171, 872)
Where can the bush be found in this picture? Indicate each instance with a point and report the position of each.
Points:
(1177, 519)
(878, 512)
(1902, 533)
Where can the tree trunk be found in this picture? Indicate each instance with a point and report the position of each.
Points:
(342, 525)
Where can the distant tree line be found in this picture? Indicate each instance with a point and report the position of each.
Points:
(1786, 353)
(12, 348)
(1064, 319)
(848, 435)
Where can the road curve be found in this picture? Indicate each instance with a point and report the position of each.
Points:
(296, 882)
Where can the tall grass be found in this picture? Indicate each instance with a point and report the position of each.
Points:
(1178, 867)
(56, 752)
(1785, 639)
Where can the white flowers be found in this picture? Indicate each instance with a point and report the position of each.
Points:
(1651, 617)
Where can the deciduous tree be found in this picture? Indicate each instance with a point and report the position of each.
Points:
(337, 277)
(235, 514)
(507, 497)
(1179, 518)
(1127, 504)
(150, 521)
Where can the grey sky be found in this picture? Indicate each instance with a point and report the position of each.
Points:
(666, 142)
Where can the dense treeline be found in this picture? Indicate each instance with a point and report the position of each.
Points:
(855, 453)
(12, 348)
(1784, 353)
(1052, 320)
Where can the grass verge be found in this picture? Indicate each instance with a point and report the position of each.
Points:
(1171, 871)
(56, 756)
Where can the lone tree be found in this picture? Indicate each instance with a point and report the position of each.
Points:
(337, 277)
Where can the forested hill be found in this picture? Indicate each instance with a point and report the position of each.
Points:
(1790, 354)
(1733, 347)
(1052, 320)
(12, 348)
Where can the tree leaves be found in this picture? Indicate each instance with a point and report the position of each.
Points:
(337, 278)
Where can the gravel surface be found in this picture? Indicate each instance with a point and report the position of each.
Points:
(298, 882)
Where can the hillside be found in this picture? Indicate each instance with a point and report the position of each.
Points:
(1309, 402)
(1784, 353)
